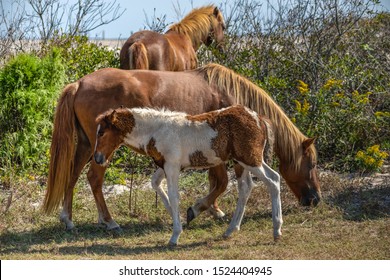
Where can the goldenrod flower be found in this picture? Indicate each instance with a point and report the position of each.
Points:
(303, 87)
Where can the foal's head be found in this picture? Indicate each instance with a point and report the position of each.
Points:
(112, 128)
(303, 180)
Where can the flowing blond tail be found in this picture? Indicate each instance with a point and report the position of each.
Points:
(138, 57)
(62, 149)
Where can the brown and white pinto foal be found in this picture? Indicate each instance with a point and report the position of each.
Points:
(176, 140)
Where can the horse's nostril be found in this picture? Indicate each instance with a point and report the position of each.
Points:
(98, 158)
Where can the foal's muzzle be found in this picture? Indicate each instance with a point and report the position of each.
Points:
(99, 158)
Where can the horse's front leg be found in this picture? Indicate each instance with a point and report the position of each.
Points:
(95, 177)
(272, 180)
(157, 177)
(244, 189)
(172, 175)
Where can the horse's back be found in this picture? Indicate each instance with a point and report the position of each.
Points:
(111, 88)
(156, 50)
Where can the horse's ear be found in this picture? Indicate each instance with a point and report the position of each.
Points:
(216, 11)
(307, 143)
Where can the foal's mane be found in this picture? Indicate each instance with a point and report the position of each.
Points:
(288, 138)
(196, 25)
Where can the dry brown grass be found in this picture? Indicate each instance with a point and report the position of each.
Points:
(352, 222)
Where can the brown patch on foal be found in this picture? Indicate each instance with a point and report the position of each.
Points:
(123, 120)
(152, 151)
(239, 136)
(197, 159)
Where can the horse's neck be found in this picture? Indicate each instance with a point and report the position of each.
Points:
(192, 36)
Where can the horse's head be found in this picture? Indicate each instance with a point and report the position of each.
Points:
(217, 29)
(303, 180)
(112, 128)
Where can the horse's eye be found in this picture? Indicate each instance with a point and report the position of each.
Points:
(100, 133)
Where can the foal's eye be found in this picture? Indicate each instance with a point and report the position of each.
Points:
(100, 133)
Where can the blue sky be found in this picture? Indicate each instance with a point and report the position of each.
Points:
(134, 17)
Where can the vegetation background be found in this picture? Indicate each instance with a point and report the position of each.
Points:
(326, 63)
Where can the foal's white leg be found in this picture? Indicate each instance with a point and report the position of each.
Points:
(172, 175)
(157, 177)
(272, 179)
(244, 189)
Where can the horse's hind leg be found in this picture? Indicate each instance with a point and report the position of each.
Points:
(272, 179)
(82, 155)
(95, 177)
(218, 181)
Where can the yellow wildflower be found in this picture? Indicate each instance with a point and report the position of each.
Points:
(298, 106)
(380, 114)
(305, 107)
(303, 87)
(332, 83)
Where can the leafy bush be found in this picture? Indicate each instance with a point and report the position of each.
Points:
(326, 65)
(28, 90)
(82, 56)
(343, 120)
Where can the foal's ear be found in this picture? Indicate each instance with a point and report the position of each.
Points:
(112, 118)
(307, 143)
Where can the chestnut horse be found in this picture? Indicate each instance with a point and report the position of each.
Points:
(176, 49)
(178, 141)
(196, 91)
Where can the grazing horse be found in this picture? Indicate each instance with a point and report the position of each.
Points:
(176, 49)
(196, 91)
(177, 141)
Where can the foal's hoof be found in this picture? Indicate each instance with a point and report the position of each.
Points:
(216, 212)
(277, 238)
(172, 244)
(190, 215)
(226, 236)
(116, 232)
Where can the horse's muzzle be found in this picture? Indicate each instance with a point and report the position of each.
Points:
(99, 158)
(311, 199)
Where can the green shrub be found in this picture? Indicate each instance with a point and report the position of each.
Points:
(343, 120)
(82, 56)
(28, 90)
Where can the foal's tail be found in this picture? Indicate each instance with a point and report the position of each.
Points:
(62, 149)
(138, 57)
(270, 144)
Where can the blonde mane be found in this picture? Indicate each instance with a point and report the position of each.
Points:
(288, 138)
(196, 25)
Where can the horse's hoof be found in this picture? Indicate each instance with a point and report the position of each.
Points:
(226, 236)
(190, 215)
(72, 230)
(277, 238)
(116, 232)
(172, 244)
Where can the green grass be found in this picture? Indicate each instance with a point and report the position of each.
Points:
(352, 222)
